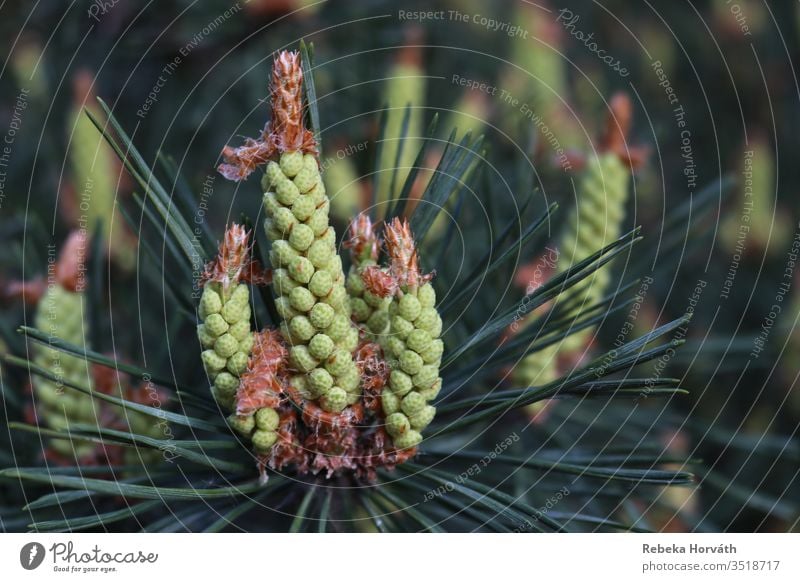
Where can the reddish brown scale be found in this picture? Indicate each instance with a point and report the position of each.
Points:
(332, 452)
(284, 133)
(234, 263)
(618, 125)
(316, 417)
(379, 282)
(242, 161)
(266, 376)
(374, 374)
(71, 265)
(403, 257)
(287, 451)
(363, 243)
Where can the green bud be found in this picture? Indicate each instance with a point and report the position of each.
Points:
(395, 346)
(350, 381)
(212, 361)
(301, 299)
(397, 424)
(287, 334)
(226, 345)
(426, 376)
(310, 163)
(302, 328)
(206, 339)
(226, 384)
(237, 363)
(378, 322)
(354, 284)
(301, 270)
(241, 294)
(426, 295)
(244, 425)
(224, 402)
(283, 220)
(422, 418)
(431, 393)
(301, 237)
(286, 192)
(401, 327)
(306, 179)
(320, 381)
(234, 311)
(329, 236)
(412, 403)
(338, 327)
(317, 193)
(216, 324)
(271, 203)
(322, 315)
(434, 352)
(419, 340)
(283, 282)
(320, 253)
(302, 359)
(320, 346)
(436, 329)
(303, 208)
(334, 401)
(350, 340)
(389, 402)
(339, 362)
(408, 440)
(400, 383)
(428, 320)
(410, 362)
(272, 233)
(291, 163)
(210, 302)
(246, 344)
(240, 330)
(263, 440)
(301, 384)
(338, 299)
(267, 419)
(272, 173)
(408, 307)
(282, 253)
(373, 300)
(321, 283)
(319, 221)
(361, 311)
(334, 267)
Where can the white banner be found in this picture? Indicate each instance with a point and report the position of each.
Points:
(462, 557)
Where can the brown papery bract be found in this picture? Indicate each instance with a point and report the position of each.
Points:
(286, 131)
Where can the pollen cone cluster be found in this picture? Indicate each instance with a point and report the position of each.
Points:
(412, 343)
(370, 309)
(225, 313)
(346, 380)
(309, 283)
